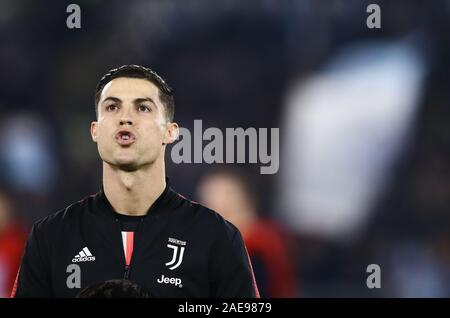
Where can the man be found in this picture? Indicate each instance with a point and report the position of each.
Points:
(136, 228)
(231, 192)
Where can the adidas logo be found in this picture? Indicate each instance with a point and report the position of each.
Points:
(84, 256)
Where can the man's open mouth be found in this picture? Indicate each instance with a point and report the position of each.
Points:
(125, 137)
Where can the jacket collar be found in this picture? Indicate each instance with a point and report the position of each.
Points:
(102, 204)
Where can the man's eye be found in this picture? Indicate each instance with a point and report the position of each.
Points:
(111, 108)
(143, 108)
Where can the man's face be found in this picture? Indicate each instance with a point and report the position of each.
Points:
(131, 127)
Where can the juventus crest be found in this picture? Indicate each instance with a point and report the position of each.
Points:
(178, 248)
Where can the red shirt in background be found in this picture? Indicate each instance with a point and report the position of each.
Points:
(12, 242)
(272, 262)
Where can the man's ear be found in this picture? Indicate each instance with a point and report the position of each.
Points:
(94, 131)
(171, 134)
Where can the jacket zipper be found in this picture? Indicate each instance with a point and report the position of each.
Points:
(126, 273)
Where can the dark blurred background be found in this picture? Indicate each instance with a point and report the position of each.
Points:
(363, 116)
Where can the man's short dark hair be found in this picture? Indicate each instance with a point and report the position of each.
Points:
(137, 71)
(115, 288)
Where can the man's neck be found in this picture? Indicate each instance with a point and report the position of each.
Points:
(132, 193)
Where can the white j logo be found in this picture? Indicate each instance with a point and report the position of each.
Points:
(177, 258)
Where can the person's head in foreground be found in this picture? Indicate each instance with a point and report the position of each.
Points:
(115, 288)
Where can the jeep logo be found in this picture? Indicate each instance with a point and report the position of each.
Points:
(170, 280)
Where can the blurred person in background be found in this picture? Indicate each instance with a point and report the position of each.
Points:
(231, 193)
(12, 240)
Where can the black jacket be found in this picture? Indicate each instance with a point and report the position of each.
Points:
(181, 249)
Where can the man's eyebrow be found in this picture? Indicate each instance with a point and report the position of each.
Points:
(112, 98)
(135, 101)
(146, 99)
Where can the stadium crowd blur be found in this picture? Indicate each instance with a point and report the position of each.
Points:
(363, 113)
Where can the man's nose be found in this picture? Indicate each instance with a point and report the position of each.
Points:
(124, 121)
(125, 118)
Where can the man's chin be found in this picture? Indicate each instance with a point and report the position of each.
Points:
(128, 163)
(125, 164)
(129, 167)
